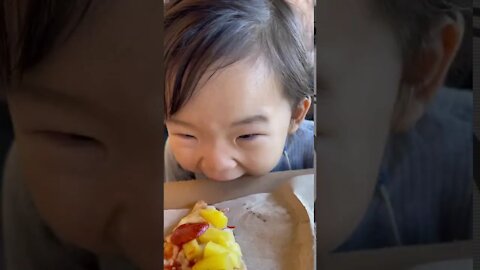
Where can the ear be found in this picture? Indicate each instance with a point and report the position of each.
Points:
(428, 71)
(299, 113)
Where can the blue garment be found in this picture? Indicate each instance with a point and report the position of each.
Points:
(426, 176)
(299, 150)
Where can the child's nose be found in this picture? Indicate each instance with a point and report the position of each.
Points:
(217, 161)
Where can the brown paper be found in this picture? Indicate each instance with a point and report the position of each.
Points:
(274, 223)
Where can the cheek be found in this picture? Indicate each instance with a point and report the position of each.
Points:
(67, 200)
(186, 156)
(263, 160)
(264, 155)
(256, 158)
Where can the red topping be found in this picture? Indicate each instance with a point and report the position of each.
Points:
(174, 266)
(187, 232)
(231, 227)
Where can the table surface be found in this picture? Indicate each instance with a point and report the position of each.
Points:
(448, 254)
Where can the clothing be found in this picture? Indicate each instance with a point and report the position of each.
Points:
(298, 154)
(428, 178)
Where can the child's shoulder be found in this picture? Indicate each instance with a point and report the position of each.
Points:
(307, 125)
(438, 150)
(447, 123)
(426, 176)
(453, 106)
(445, 129)
(299, 149)
(305, 131)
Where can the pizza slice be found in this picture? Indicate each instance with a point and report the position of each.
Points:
(202, 240)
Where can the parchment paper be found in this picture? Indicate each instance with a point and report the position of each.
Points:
(275, 230)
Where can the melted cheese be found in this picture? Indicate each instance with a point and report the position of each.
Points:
(193, 217)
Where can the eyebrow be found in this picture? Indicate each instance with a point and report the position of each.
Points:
(58, 98)
(180, 122)
(259, 118)
(46, 92)
(246, 121)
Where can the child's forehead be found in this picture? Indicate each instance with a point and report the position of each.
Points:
(252, 67)
(243, 83)
(252, 71)
(114, 50)
(114, 31)
(112, 62)
(351, 33)
(360, 14)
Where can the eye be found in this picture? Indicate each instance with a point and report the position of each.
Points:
(78, 138)
(248, 137)
(72, 153)
(69, 139)
(186, 136)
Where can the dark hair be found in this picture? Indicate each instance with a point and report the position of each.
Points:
(29, 30)
(412, 21)
(203, 34)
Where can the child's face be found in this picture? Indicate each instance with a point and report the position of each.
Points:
(102, 191)
(360, 64)
(358, 75)
(236, 124)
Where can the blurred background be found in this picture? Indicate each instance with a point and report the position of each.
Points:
(460, 77)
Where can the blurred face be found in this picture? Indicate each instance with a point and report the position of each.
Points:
(88, 125)
(236, 123)
(359, 67)
(358, 76)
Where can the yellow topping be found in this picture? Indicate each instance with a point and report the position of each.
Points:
(224, 238)
(212, 249)
(235, 247)
(192, 250)
(217, 218)
(215, 262)
(216, 248)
